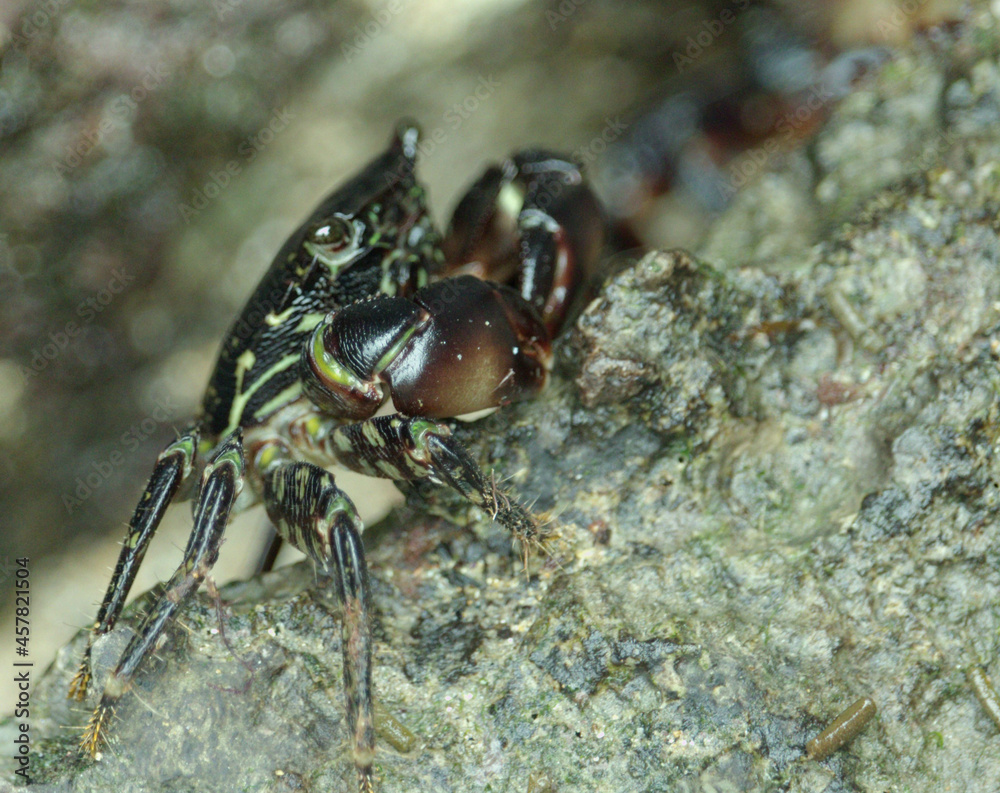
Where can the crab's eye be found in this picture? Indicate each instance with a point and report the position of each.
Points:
(334, 242)
(334, 236)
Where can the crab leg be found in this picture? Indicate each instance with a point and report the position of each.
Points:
(405, 449)
(172, 467)
(221, 483)
(312, 513)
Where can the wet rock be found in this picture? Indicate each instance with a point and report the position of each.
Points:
(798, 471)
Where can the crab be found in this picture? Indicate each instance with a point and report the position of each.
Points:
(363, 305)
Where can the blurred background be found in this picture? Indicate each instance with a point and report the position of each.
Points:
(154, 156)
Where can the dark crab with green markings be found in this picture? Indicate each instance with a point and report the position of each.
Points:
(365, 303)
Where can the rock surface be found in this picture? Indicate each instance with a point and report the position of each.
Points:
(775, 488)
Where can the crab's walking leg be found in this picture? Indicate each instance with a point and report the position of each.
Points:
(221, 483)
(172, 467)
(400, 448)
(312, 513)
